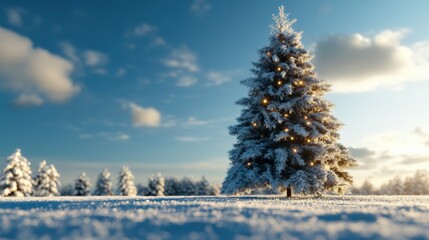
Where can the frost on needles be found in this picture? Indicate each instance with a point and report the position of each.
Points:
(286, 135)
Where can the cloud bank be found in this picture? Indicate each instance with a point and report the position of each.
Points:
(355, 63)
(35, 74)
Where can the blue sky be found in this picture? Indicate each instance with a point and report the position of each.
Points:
(152, 84)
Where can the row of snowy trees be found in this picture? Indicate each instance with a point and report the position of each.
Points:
(17, 181)
(417, 184)
(157, 185)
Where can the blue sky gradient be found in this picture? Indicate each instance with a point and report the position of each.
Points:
(135, 43)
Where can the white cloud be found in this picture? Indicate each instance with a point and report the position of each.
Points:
(186, 81)
(28, 100)
(355, 63)
(14, 16)
(119, 136)
(144, 117)
(95, 58)
(397, 152)
(144, 29)
(121, 72)
(69, 51)
(217, 78)
(200, 6)
(191, 139)
(158, 41)
(33, 71)
(182, 58)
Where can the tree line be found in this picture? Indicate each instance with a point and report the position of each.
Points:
(17, 181)
(417, 184)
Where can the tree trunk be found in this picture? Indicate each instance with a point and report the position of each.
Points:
(289, 192)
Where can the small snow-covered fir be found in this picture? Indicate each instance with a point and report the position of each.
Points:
(16, 179)
(47, 181)
(156, 185)
(104, 184)
(82, 186)
(126, 186)
(286, 136)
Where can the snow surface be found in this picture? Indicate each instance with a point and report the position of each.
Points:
(254, 217)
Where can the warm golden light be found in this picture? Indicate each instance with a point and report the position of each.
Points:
(301, 82)
(286, 115)
(279, 82)
(308, 140)
(279, 68)
(286, 129)
(254, 124)
(308, 123)
(294, 150)
(265, 101)
(268, 53)
(305, 117)
(292, 138)
(311, 164)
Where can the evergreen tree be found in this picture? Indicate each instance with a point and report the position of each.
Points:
(67, 190)
(47, 181)
(104, 184)
(16, 180)
(156, 185)
(82, 186)
(187, 187)
(171, 186)
(126, 186)
(286, 135)
(203, 187)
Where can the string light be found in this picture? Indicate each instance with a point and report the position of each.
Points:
(279, 82)
(301, 82)
(294, 150)
(305, 117)
(279, 68)
(311, 164)
(264, 101)
(292, 138)
(286, 115)
(254, 124)
(286, 129)
(249, 164)
(308, 140)
(269, 53)
(308, 123)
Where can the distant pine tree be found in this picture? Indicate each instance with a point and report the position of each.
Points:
(126, 186)
(103, 186)
(82, 186)
(203, 187)
(47, 181)
(156, 185)
(16, 180)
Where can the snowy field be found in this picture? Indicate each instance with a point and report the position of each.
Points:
(255, 217)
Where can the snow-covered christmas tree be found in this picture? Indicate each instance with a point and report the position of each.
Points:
(104, 185)
(16, 180)
(47, 181)
(82, 186)
(126, 186)
(156, 185)
(203, 187)
(286, 136)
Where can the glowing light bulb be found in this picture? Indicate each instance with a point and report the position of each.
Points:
(286, 115)
(308, 123)
(279, 68)
(294, 150)
(301, 82)
(265, 101)
(279, 82)
(286, 129)
(305, 117)
(308, 140)
(254, 124)
(292, 138)
(311, 164)
(268, 53)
